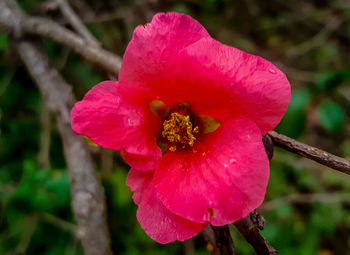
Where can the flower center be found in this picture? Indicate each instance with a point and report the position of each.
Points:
(178, 129)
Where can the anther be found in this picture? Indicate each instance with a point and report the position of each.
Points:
(178, 129)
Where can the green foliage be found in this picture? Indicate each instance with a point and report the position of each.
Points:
(182, 8)
(327, 81)
(332, 117)
(30, 205)
(3, 42)
(293, 122)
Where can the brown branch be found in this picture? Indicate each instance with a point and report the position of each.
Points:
(310, 152)
(75, 21)
(305, 199)
(87, 194)
(17, 23)
(189, 247)
(219, 241)
(106, 161)
(331, 26)
(249, 228)
(92, 53)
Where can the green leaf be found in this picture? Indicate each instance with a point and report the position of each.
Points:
(332, 117)
(293, 122)
(4, 44)
(346, 148)
(122, 195)
(86, 75)
(327, 81)
(182, 8)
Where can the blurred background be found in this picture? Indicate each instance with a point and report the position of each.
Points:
(307, 205)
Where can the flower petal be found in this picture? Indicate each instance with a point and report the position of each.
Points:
(221, 180)
(216, 80)
(111, 122)
(158, 222)
(154, 45)
(140, 162)
(255, 88)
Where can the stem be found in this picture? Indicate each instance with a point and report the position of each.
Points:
(307, 151)
(219, 241)
(249, 228)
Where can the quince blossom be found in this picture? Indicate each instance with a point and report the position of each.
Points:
(187, 114)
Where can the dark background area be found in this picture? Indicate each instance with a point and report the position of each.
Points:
(307, 205)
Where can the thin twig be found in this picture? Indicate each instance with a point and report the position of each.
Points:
(310, 152)
(219, 241)
(30, 224)
(58, 222)
(17, 23)
(189, 247)
(106, 161)
(305, 199)
(249, 228)
(75, 21)
(319, 39)
(92, 53)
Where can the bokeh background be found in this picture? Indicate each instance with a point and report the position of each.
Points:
(307, 205)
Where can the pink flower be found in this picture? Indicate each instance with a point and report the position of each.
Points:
(188, 114)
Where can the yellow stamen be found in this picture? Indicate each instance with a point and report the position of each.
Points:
(179, 129)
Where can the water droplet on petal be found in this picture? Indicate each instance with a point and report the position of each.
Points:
(132, 122)
(272, 70)
(232, 160)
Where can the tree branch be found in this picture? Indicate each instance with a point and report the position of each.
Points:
(219, 241)
(91, 52)
(87, 195)
(18, 23)
(305, 199)
(75, 21)
(249, 228)
(310, 152)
